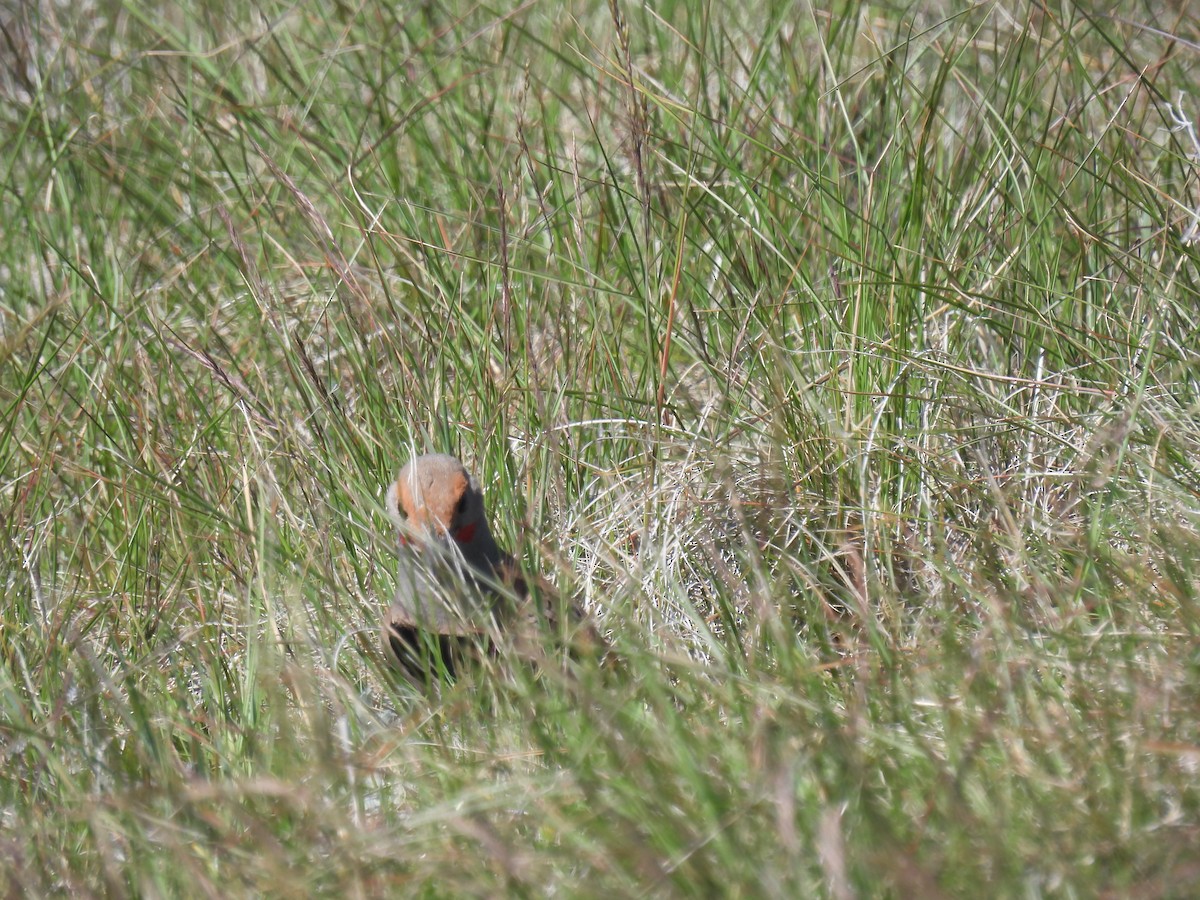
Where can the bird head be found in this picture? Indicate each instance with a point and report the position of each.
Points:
(436, 499)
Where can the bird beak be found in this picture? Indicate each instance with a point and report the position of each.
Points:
(440, 535)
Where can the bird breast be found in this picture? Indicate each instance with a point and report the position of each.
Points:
(437, 589)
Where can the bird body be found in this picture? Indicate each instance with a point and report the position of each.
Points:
(458, 592)
(446, 593)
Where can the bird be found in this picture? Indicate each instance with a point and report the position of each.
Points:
(458, 595)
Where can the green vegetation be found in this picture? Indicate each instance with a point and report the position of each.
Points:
(844, 361)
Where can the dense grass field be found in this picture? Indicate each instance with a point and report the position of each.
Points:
(843, 361)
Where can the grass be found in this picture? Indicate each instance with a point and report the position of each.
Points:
(842, 361)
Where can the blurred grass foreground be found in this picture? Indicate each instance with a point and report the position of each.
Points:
(842, 361)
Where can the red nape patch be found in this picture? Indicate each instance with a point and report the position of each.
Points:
(466, 534)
